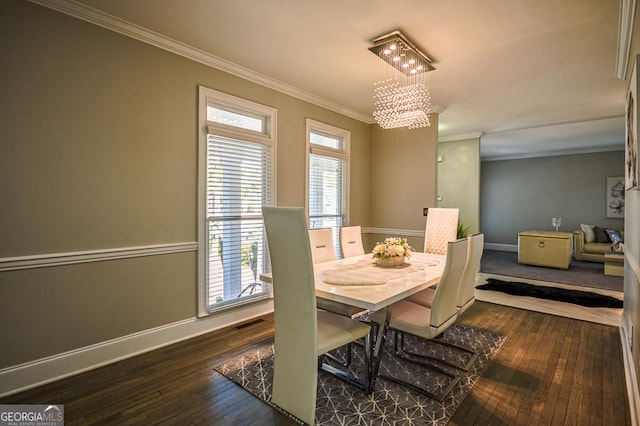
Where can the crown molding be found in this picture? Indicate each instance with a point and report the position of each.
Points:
(460, 137)
(120, 26)
(554, 153)
(625, 33)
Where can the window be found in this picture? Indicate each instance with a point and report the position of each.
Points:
(328, 177)
(236, 169)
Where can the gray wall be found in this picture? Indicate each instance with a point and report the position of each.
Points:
(524, 194)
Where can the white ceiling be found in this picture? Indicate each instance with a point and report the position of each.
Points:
(529, 76)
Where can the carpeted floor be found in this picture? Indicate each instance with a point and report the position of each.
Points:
(585, 274)
(339, 403)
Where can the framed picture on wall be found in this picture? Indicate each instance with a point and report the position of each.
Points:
(615, 196)
(631, 132)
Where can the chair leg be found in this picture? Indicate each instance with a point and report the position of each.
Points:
(363, 384)
(342, 362)
(464, 367)
(425, 392)
(474, 354)
(398, 352)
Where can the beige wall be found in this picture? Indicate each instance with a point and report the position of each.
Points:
(459, 179)
(403, 180)
(99, 151)
(402, 175)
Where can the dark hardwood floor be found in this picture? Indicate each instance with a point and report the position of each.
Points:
(551, 370)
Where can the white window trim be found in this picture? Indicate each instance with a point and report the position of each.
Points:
(344, 153)
(206, 95)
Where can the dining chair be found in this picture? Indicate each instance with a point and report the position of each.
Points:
(302, 333)
(429, 323)
(321, 240)
(466, 291)
(322, 249)
(351, 241)
(441, 227)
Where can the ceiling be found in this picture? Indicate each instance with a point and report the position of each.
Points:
(528, 77)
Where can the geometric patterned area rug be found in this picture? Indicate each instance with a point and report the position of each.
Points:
(340, 403)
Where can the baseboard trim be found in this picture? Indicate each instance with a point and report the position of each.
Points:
(501, 247)
(631, 380)
(35, 373)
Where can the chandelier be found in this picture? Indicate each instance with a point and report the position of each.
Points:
(401, 96)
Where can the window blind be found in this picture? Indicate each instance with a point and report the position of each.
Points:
(327, 198)
(238, 184)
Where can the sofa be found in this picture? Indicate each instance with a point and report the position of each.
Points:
(592, 251)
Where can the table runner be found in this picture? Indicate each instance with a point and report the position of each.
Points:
(366, 272)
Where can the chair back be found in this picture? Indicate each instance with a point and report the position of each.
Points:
(441, 227)
(444, 305)
(466, 294)
(351, 241)
(322, 249)
(295, 372)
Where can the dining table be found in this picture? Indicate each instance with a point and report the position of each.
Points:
(360, 282)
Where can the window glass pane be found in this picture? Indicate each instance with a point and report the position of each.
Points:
(238, 185)
(235, 119)
(324, 140)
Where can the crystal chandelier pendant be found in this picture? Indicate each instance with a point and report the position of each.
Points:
(396, 105)
(401, 97)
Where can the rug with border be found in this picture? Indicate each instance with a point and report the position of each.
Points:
(339, 403)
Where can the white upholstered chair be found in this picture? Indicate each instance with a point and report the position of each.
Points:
(466, 292)
(302, 333)
(441, 227)
(429, 323)
(322, 249)
(321, 240)
(351, 241)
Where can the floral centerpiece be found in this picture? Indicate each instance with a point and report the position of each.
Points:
(392, 251)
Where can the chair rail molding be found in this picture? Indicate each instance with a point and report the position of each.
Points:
(70, 258)
(391, 231)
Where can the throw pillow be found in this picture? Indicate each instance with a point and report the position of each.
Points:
(601, 235)
(615, 236)
(589, 234)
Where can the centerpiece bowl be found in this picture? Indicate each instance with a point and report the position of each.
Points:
(391, 252)
(390, 262)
